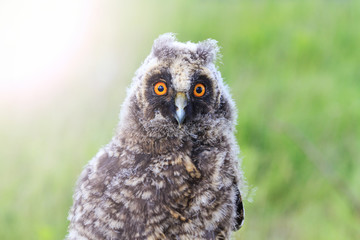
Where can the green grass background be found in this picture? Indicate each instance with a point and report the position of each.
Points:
(293, 68)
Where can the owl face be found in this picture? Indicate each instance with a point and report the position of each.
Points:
(178, 96)
(178, 86)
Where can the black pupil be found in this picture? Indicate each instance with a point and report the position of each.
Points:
(199, 90)
(160, 88)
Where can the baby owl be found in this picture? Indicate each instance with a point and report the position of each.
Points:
(171, 171)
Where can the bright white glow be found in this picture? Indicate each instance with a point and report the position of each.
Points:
(38, 41)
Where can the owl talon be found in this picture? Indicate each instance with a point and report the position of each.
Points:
(191, 168)
(178, 215)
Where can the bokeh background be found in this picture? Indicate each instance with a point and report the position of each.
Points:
(293, 68)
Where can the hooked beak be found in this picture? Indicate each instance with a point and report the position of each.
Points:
(180, 103)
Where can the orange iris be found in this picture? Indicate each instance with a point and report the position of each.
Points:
(199, 90)
(160, 88)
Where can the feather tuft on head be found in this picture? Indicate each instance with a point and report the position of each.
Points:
(208, 50)
(166, 46)
(162, 47)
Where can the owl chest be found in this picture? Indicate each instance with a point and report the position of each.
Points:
(191, 184)
(180, 179)
(174, 176)
(170, 191)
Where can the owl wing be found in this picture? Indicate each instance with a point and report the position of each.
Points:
(239, 219)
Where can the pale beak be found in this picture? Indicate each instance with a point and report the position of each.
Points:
(180, 103)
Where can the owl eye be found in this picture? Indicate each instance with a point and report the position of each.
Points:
(199, 90)
(160, 88)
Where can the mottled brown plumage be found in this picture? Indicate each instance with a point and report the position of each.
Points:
(171, 170)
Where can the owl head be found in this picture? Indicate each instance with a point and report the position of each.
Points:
(177, 90)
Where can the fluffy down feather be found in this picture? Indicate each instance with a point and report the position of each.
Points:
(157, 178)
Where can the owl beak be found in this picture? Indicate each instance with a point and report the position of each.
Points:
(180, 103)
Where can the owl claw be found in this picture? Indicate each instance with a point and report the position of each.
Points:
(178, 215)
(191, 168)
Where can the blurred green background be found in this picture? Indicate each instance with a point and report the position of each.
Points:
(292, 67)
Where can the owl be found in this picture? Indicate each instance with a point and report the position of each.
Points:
(171, 171)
